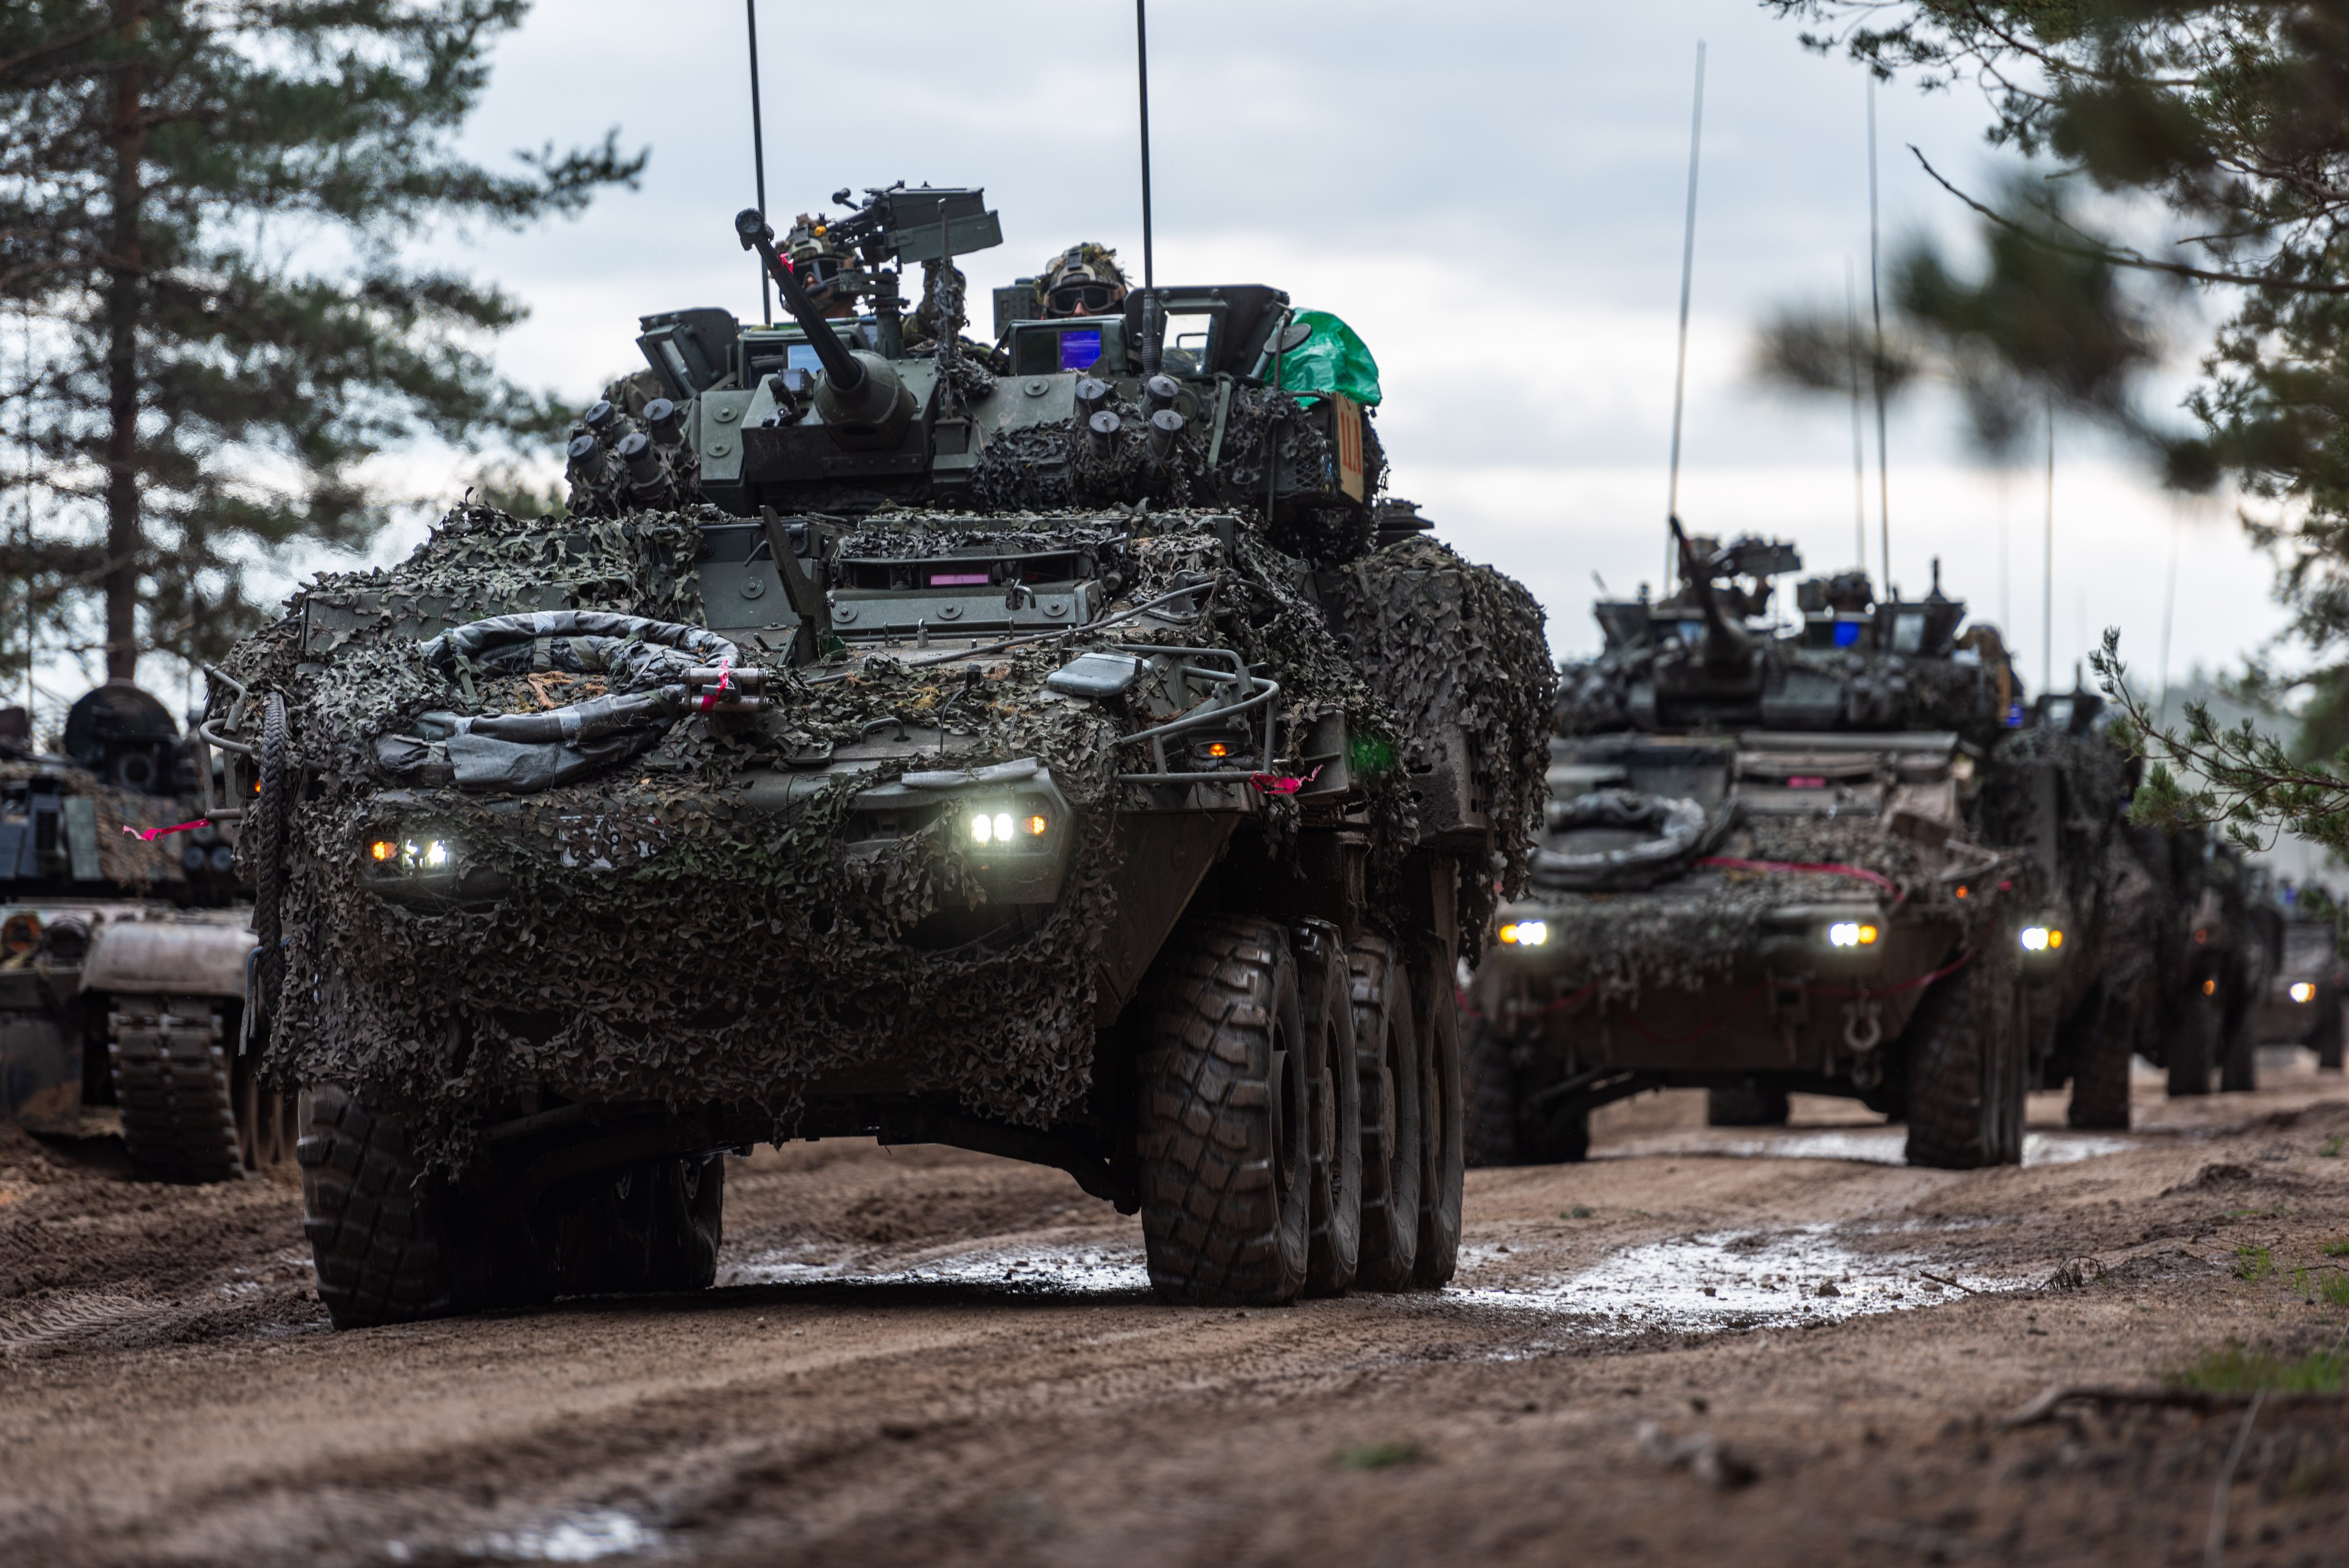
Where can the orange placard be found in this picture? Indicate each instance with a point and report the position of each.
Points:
(1348, 422)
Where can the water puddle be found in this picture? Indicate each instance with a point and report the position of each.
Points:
(588, 1536)
(1721, 1280)
(1033, 1269)
(1870, 1145)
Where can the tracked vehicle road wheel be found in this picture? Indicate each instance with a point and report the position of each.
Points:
(392, 1244)
(1751, 1103)
(1386, 1057)
(1966, 1066)
(1443, 1131)
(1488, 1088)
(1335, 1246)
(2194, 1042)
(1221, 1125)
(651, 1226)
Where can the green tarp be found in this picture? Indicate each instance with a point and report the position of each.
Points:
(1332, 360)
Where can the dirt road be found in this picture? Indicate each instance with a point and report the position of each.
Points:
(1747, 1347)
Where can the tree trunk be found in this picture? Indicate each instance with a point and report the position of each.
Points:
(124, 537)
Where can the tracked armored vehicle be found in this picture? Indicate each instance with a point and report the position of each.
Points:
(1058, 749)
(124, 952)
(1785, 861)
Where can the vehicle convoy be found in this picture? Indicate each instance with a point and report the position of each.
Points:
(1827, 860)
(1079, 763)
(2223, 939)
(122, 960)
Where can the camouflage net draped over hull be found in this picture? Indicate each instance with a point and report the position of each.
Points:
(1458, 647)
(658, 937)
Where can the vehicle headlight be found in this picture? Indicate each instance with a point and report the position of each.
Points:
(414, 854)
(2041, 938)
(1004, 825)
(2302, 992)
(1852, 934)
(1525, 933)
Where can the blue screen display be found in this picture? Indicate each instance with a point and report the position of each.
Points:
(801, 357)
(1846, 633)
(1079, 349)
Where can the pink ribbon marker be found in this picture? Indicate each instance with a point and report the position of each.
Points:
(1282, 784)
(149, 836)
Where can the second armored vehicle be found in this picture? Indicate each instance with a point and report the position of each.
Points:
(1779, 863)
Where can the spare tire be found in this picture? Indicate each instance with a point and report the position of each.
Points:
(1668, 833)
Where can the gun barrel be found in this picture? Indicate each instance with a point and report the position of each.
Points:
(1725, 644)
(839, 367)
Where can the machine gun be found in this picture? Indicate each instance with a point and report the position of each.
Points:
(1726, 645)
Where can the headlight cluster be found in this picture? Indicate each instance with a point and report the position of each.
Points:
(420, 856)
(1004, 825)
(1852, 934)
(1525, 933)
(2302, 992)
(2041, 938)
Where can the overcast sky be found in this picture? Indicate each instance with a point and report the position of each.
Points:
(1491, 193)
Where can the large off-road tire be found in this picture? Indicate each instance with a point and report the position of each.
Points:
(1488, 1077)
(392, 1244)
(1967, 1065)
(2239, 1068)
(2193, 1047)
(1334, 1247)
(1751, 1103)
(1386, 1056)
(1442, 1130)
(169, 1056)
(2325, 1039)
(651, 1226)
(1221, 1130)
(2102, 1037)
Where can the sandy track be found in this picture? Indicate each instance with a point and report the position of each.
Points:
(930, 1356)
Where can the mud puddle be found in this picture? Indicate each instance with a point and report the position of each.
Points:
(587, 1535)
(1721, 1280)
(1089, 1269)
(1867, 1145)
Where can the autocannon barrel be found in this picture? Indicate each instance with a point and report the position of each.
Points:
(839, 367)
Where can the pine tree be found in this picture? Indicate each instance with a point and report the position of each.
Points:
(188, 399)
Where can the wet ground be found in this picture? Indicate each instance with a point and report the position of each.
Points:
(1741, 1345)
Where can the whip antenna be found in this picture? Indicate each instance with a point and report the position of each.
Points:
(1149, 270)
(1876, 303)
(758, 156)
(1687, 261)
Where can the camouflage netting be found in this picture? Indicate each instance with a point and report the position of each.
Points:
(660, 940)
(1458, 648)
(126, 863)
(1693, 930)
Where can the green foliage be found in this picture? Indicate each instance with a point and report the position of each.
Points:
(195, 397)
(2232, 1369)
(2253, 1262)
(2225, 123)
(1378, 1456)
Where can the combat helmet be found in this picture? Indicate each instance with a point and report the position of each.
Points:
(1084, 278)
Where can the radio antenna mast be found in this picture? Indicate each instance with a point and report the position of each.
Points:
(1688, 262)
(1149, 268)
(1876, 303)
(759, 158)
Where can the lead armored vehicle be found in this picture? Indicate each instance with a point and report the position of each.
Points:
(1080, 763)
(1779, 861)
(122, 955)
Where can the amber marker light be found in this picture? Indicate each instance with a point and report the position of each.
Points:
(1036, 826)
(2303, 992)
(382, 850)
(1962, 890)
(1218, 749)
(2209, 988)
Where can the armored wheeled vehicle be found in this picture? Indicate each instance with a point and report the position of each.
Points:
(1780, 860)
(1081, 762)
(2303, 999)
(122, 964)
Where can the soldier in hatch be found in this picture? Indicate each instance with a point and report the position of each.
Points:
(818, 265)
(1083, 280)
